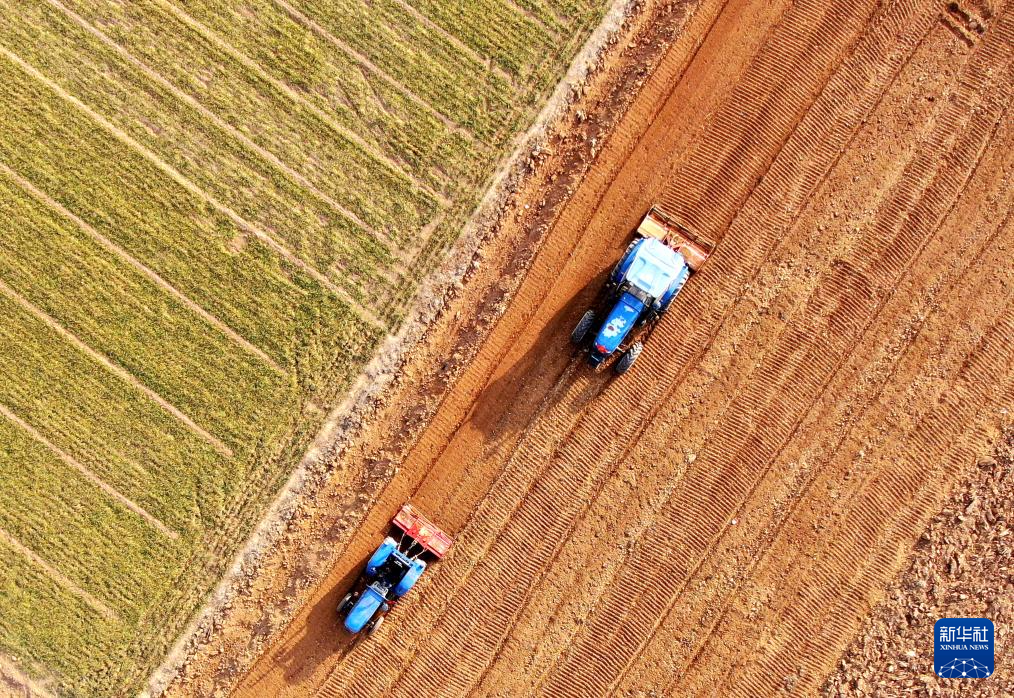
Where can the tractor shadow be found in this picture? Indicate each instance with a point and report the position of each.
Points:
(323, 635)
(544, 375)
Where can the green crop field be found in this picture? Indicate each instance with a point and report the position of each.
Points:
(211, 213)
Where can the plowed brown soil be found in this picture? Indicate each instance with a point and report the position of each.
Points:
(961, 568)
(720, 520)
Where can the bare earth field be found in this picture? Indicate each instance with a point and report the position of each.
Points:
(961, 567)
(722, 519)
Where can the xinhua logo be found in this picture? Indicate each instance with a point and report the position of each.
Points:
(963, 648)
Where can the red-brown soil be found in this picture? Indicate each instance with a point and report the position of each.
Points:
(962, 568)
(720, 520)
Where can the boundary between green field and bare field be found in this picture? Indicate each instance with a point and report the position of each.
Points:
(342, 422)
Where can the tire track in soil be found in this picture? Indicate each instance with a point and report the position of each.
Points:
(695, 520)
(792, 574)
(838, 593)
(769, 14)
(836, 468)
(831, 468)
(957, 324)
(583, 454)
(732, 551)
(620, 498)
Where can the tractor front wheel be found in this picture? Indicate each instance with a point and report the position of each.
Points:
(583, 327)
(628, 358)
(374, 625)
(345, 603)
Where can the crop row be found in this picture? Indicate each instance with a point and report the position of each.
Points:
(188, 242)
(109, 426)
(116, 310)
(270, 116)
(94, 541)
(326, 69)
(220, 164)
(58, 631)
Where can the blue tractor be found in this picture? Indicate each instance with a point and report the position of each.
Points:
(640, 289)
(392, 571)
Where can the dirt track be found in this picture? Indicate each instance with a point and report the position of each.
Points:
(722, 518)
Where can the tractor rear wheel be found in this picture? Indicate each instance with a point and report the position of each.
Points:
(582, 328)
(628, 358)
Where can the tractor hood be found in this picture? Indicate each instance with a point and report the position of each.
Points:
(365, 607)
(618, 324)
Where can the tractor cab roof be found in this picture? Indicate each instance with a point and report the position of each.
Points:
(654, 267)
